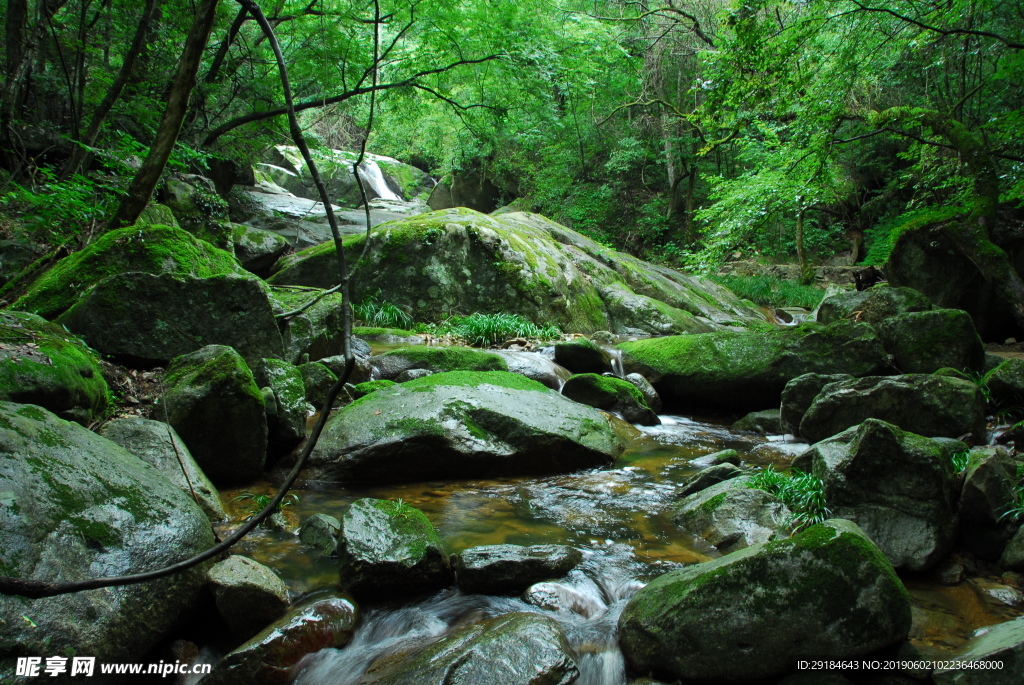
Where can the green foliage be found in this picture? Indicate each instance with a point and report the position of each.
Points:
(255, 503)
(378, 313)
(1015, 512)
(803, 493)
(771, 291)
(485, 330)
(959, 461)
(881, 239)
(58, 212)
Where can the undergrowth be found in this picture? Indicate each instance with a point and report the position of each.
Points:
(377, 313)
(803, 493)
(771, 291)
(484, 330)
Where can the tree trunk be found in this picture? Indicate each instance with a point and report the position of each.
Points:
(148, 175)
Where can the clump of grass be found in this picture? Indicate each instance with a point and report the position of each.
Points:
(255, 503)
(377, 313)
(959, 461)
(484, 330)
(771, 291)
(803, 493)
(1015, 512)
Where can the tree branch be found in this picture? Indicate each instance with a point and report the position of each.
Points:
(1013, 44)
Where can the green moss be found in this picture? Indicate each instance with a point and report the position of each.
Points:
(369, 332)
(612, 387)
(215, 367)
(712, 503)
(364, 389)
(150, 249)
(411, 524)
(472, 379)
(450, 359)
(950, 372)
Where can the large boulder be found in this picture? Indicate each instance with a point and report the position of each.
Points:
(387, 547)
(257, 249)
(924, 342)
(872, 305)
(318, 381)
(249, 596)
(799, 394)
(1001, 644)
(897, 486)
(519, 263)
(436, 360)
(535, 367)
(1006, 383)
(288, 425)
(462, 425)
(157, 444)
(512, 649)
(583, 356)
(989, 491)
(149, 249)
(73, 506)
(215, 406)
(610, 394)
(316, 331)
(747, 371)
(315, 624)
(930, 405)
(827, 592)
(730, 515)
(497, 569)
(43, 364)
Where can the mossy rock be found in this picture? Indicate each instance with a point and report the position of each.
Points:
(1006, 383)
(289, 425)
(610, 394)
(461, 425)
(318, 381)
(74, 505)
(149, 249)
(751, 614)
(510, 569)
(216, 407)
(390, 336)
(256, 249)
(799, 394)
(437, 360)
(159, 214)
(582, 356)
(765, 422)
(747, 371)
(924, 342)
(364, 389)
(43, 364)
(249, 596)
(872, 305)
(731, 516)
(317, 331)
(391, 548)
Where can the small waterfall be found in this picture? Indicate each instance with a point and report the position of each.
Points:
(616, 360)
(374, 177)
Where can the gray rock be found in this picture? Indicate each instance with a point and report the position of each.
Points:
(462, 425)
(387, 547)
(500, 569)
(767, 422)
(149, 319)
(582, 356)
(729, 456)
(412, 374)
(289, 424)
(1006, 382)
(989, 490)
(731, 516)
(610, 394)
(1003, 642)
(1013, 555)
(872, 305)
(217, 409)
(708, 477)
(934, 406)
(74, 505)
(318, 381)
(753, 613)
(651, 395)
(435, 359)
(897, 486)
(321, 531)
(249, 595)
(316, 331)
(924, 342)
(799, 394)
(536, 367)
(257, 249)
(157, 444)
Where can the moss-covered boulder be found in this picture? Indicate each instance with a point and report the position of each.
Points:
(43, 364)
(583, 356)
(826, 592)
(318, 381)
(512, 649)
(460, 260)
(388, 336)
(923, 342)
(156, 213)
(1001, 644)
(747, 371)
(934, 406)
(462, 425)
(74, 505)
(364, 389)
(799, 394)
(897, 486)
(510, 569)
(765, 422)
(148, 319)
(149, 249)
(872, 305)
(1006, 383)
(157, 444)
(257, 249)
(651, 395)
(535, 367)
(316, 331)
(288, 425)
(249, 596)
(436, 360)
(610, 394)
(988, 492)
(216, 407)
(315, 624)
(387, 547)
(731, 516)
(320, 531)
(712, 475)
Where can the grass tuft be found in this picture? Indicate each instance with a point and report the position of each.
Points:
(771, 291)
(378, 313)
(803, 493)
(485, 330)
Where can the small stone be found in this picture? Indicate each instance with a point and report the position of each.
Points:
(321, 531)
(248, 594)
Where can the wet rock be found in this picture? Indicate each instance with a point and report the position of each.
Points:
(536, 367)
(1002, 642)
(289, 424)
(412, 374)
(318, 381)
(872, 305)
(257, 249)
(436, 360)
(799, 394)
(148, 319)
(215, 406)
(731, 516)
(321, 532)
(1006, 382)
(708, 477)
(923, 342)
(651, 395)
(41, 363)
(1013, 555)
(316, 331)
(74, 505)
(387, 547)
(897, 486)
(462, 425)
(582, 356)
(501, 569)
(747, 371)
(362, 371)
(767, 422)
(268, 657)
(753, 613)
(249, 595)
(723, 457)
(988, 492)
(562, 597)
(934, 406)
(610, 394)
(157, 444)
(513, 649)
